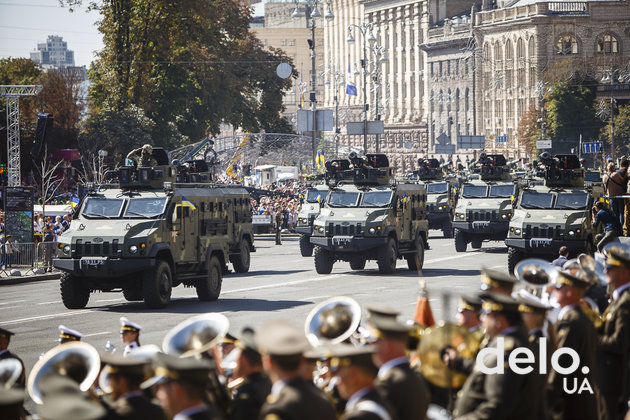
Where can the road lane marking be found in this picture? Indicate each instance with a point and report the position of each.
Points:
(314, 297)
(12, 301)
(98, 333)
(49, 303)
(286, 283)
(49, 316)
(109, 300)
(453, 257)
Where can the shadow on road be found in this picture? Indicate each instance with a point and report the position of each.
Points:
(263, 273)
(427, 272)
(192, 305)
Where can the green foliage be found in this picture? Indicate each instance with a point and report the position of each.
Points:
(622, 131)
(571, 112)
(18, 71)
(189, 65)
(118, 132)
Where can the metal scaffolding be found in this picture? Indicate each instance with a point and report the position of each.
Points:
(12, 95)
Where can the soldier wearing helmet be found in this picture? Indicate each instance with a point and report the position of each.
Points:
(143, 156)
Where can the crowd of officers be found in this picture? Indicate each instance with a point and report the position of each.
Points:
(278, 374)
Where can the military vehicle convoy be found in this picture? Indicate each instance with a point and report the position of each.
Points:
(369, 216)
(555, 214)
(156, 228)
(315, 198)
(440, 196)
(484, 205)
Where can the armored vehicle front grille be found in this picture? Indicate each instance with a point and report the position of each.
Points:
(482, 215)
(550, 232)
(89, 249)
(349, 230)
(431, 207)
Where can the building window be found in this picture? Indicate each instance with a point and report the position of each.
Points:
(566, 45)
(283, 43)
(431, 69)
(607, 44)
(466, 103)
(292, 43)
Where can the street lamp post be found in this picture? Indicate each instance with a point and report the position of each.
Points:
(379, 57)
(338, 81)
(312, 13)
(365, 29)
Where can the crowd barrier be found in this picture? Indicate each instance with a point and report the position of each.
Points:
(28, 256)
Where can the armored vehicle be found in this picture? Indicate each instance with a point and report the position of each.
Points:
(440, 196)
(369, 216)
(158, 227)
(557, 213)
(315, 198)
(484, 205)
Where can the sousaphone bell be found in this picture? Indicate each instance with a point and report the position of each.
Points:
(78, 361)
(332, 321)
(196, 335)
(536, 274)
(10, 372)
(591, 269)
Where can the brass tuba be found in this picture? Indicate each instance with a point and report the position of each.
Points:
(78, 361)
(10, 372)
(196, 335)
(145, 353)
(535, 274)
(591, 269)
(332, 321)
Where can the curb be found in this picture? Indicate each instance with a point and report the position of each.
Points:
(28, 279)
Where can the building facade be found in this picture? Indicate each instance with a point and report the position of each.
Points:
(53, 53)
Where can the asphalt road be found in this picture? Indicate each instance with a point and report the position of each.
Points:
(280, 284)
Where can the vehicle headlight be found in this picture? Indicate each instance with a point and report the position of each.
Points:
(517, 231)
(372, 231)
(66, 249)
(133, 249)
(571, 233)
(320, 229)
(462, 216)
(504, 216)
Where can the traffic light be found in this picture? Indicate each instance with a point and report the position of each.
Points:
(4, 173)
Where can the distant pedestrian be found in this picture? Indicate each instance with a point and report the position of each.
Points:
(278, 226)
(47, 246)
(616, 184)
(563, 257)
(611, 225)
(9, 249)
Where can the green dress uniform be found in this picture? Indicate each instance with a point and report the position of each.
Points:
(249, 397)
(296, 399)
(500, 396)
(575, 330)
(369, 406)
(405, 390)
(137, 407)
(613, 359)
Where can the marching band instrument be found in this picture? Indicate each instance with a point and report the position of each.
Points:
(434, 339)
(78, 361)
(10, 372)
(196, 335)
(332, 321)
(591, 269)
(145, 353)
(535, 273)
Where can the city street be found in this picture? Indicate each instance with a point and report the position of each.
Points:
(281, 283)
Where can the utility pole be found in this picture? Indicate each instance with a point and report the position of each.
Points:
(12, 93)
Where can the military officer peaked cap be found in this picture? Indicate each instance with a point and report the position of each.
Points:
(469, 303)
(617, 255)
(70, 407)
(496, 279)
(117, 364)
(247, 340)
(170, 368)
(68, 334)
(281, 338)
(496, 302)
(343, 355)
(564, 278)
(381, 310)
(529, 303)
(129, 326)
(388, 327)
(4, 333)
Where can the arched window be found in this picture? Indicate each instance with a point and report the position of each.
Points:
(520, 48)
(466, 96)
(432, 101)
(509, 51)
(440, 100)
(498, 55)
(532, 47)
(566, 45)
(457, 100)
(607, 44)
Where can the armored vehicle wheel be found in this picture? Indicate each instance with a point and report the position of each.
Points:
(74, 292)
(323, 260)
(357, 263)
(157, 285)
(415, 261)
(133, 292)
(209, 288)
(241, 261)
(475, 244)
(460, 241)
(514, 257)
(386, 257)
(306, 247)
(447, 229)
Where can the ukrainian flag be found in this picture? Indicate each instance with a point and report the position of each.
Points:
(186, 203)
(74, 201)
(320, 160)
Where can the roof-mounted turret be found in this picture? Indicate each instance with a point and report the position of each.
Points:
(429, 169)
(492, 167)
(373, 169)
(562, 170)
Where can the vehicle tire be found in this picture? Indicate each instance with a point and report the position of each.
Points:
(133, 291)
(209, 288)
(460, 241)
(386, 257)
(476, 244)
(514, 256)
(74, 292)
(357, 263)
(157, 284)
(306, 247)
(447, 229)
(323, 260)
(241, 261)
(415, 261)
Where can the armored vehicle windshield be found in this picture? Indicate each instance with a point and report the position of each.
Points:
(112, 208)
(552, 200)
(316, 196)
(341, 198)
(501, 191)
(474, 191)
(437, 188)
(376, 198)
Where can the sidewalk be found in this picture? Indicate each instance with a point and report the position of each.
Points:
(7, 279)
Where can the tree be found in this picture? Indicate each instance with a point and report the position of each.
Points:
(622, 131)
(22, 71)
(529, 130)
(571, 112)
(47, 184)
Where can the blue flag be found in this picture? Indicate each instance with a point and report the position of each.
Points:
(351, 87)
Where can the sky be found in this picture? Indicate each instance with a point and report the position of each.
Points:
(24, 23)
